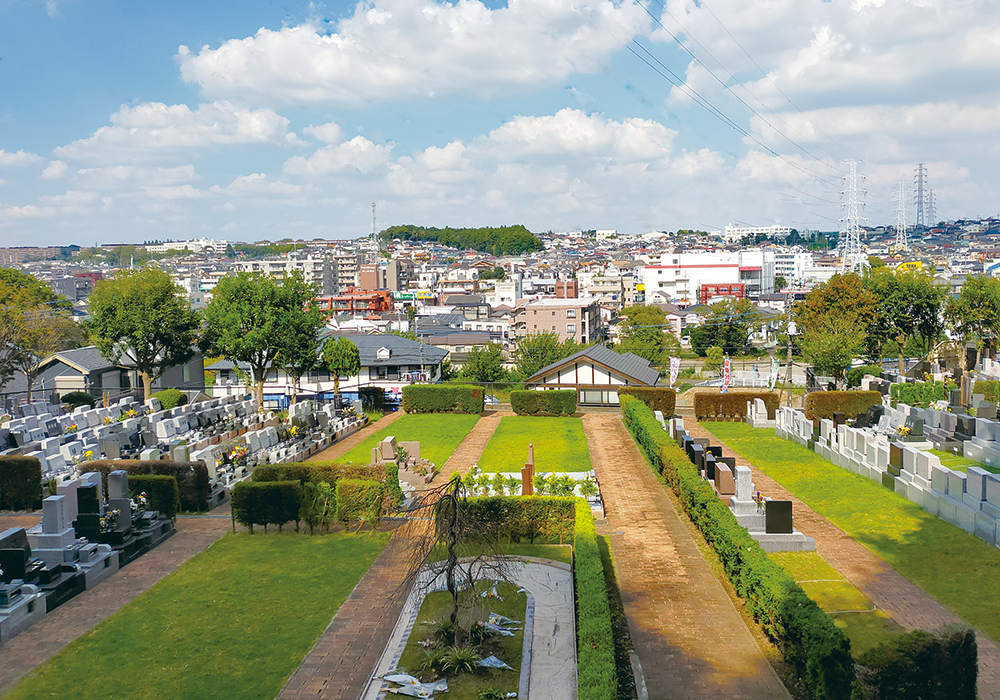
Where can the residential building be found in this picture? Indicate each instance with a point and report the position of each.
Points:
(679, 276)
(356, 302)
(579, 319)
(319, 270)
(595, 373)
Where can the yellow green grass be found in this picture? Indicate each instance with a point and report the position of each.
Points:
(556, 552)
(233, 622)
(959, 463)
(560, 445)
(439, 434)
(951, 565)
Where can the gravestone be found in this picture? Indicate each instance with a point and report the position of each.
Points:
(725, 483)
(778, 517)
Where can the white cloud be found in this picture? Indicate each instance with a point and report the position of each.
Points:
(128, 176)
(17, 159)
(357, 156)
(56, 170)
(257, 185)
(154, 130)
(328, 133)
(405, 49)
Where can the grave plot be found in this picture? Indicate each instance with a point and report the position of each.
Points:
(439, 436)
(233, 622)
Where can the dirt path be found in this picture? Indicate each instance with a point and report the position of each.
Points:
(339, 449)
(905, 601)
(691, 640)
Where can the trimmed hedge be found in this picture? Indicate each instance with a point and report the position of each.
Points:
(319, 505)
(920, 666)
(810, 642)
(358, 499)
(331, 473)
(514, 518)
(990, 389)
(192, 477)
(443, 398)
(267, 503)
(20, 483)
(663, 399)
(162, 492)
(557, 402)
(75, 399)
(170, 398)
(596, 671)
(732, 406)
(856, 374)
(823, 404)
(920, 394)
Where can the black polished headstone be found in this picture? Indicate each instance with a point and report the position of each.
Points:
(839, 418)
(715, 450)
(728, 461)
(778, 517)
(710, 467)
(87, 500)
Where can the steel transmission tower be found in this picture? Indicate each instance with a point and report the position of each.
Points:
(854, 259)
(931, 208)
(919, 179)
(901, 204)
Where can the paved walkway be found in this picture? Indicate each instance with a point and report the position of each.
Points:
(905, 601)
(691, 640)
(469, 450)
(339, 449)
(81, 614)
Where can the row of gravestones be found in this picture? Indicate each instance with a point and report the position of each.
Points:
(769, 522)
(970, 500)
(82, 540)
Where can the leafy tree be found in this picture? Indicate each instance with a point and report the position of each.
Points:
(497, 273)
(43, 331)
(540, 350)
(714, 359)
(299, 351)
(846, 296)
(910, 307)
(728, 325)
(975, 314)
(140, 319)
(645, 333)
(780, 283)
(502, 240)
(485, 364)
(343, 359)
(230, 251)
(252, 318)
(832, 344)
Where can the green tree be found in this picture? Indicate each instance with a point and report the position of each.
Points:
(485, 364)
(539, 350)
(832, 344)
(780, 283)
(341, 356)
(252, 317)
(910, 308)
(645, 332)
(846, 296)
(714, 359)
(41, 332)
(141, 320)
(300, 346)
(975, 315)
(728, 325)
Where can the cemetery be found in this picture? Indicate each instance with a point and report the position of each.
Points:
(439, 434)
(560, 445)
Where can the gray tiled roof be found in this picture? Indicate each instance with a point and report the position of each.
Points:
(628, 364)
(402, 351)
(88, 358)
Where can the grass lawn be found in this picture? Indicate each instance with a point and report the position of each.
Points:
(439, 434)
(951, 565)
(233, 622)
(560, 445)
(466, 686)
(960, 463)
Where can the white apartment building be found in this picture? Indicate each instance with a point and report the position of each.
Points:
(734, 233)
(506, 292)
(792, 265)
(316, 269)
(201, 245)
(610, 290)
(679, 276)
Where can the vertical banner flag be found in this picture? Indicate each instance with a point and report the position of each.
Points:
(675, 367)
(726, 376)
(773, 379)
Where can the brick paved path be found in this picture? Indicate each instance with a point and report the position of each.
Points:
(468, 451)
(81, 614)
(905, 601)
(339, 449)
(690, 639)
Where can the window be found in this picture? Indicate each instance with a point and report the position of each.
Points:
(571, 328)
(553, 313)
(553, 327)
(570, 313)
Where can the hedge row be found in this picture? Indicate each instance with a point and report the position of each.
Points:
(989, 389)
(517, 518)
(443, 398)
(20, 483)
(331, 473)
(823, 404)
(596, 670)
(161, 492)
(267, 503)
(856, 374)
(919, 664)
(359, 500)
(920, 393)
(811, 643)
(558, 402)
(192, 478)
(661, 399)
(732, 405)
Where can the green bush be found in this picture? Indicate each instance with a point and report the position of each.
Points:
(856, 374)
(359, 500)
(319, 505)
(558, 402)
(372, 398)
(920, 666)
(596, 670)
(810, 642)
(519, 518)
(823, 404)
(443, 398)
(76, 399)
(661, 399)
(161, 491)
(20, 483)
(267, 503)
(170, 398)
(192, 478)
(711, 406)
(990, 389)
(920, 393)
(331, 473)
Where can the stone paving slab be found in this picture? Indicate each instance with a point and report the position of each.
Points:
(905, 601)
(690, 639)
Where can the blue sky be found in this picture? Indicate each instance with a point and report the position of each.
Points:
(252, 120)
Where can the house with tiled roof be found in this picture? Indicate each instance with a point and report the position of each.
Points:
(595, 373)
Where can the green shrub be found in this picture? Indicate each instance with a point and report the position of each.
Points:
(443, 398)
(192, 478)
(856, 374)
(823, 404)
(596, 670)
(661, 399)
(170, 398)
(810, 642)
(76, 399)
(161, 491)
(267, 503)
(319, 505)
(711, 406)
(523, 517)
(20, 483)
(920, 393)
(372, 398)
(331, 473)
(920, 666)
(359, 500)
(558, 402)
(991, 389)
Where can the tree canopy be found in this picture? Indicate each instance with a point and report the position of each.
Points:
(498, 240)
(485, 364)
(645, 332)
(728, 325)
(343, 359)
(975, 314)
(539, 350)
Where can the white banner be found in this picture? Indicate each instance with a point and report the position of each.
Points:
(675, 367)
(773, 379)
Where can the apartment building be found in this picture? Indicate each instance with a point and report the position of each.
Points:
(579, 319)
(678, 277)
(318, 270)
